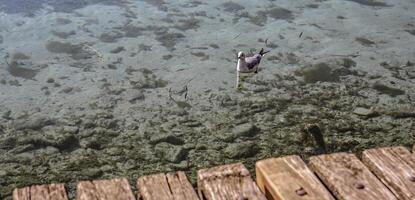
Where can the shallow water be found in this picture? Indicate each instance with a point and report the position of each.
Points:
(98, 89)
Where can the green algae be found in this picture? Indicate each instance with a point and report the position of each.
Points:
(391, 91)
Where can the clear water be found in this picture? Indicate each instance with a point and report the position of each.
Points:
(98, 89)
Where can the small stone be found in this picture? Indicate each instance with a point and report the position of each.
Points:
(171, 153)
(228, 137)
(35, 122)
(6, 114)
(166, 137)
(246, 130)
(65, 142)
(364, 112)
(71, 129)
(67, 90)
(49, 150)
(50, 80)
(241, 150)
(182, 166)
(23, 148)
(136, 96)
(92, 173)
(118, 50)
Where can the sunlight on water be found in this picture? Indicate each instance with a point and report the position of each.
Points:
(98, 89)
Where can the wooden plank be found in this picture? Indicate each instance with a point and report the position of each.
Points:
(289, 178)
(173, 186)
(395, 168)
(181, 187)
(227, 182)
(113, 189)
(41, 192)
(348, 178)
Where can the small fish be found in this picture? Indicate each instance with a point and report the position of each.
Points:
(236, 36)
(301, 34)
(96, 52)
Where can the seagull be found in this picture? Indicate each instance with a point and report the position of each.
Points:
(248, 64)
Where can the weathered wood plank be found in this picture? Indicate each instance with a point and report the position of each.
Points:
(289, 178)
(154, 187)
(395, 168)
(348, 178)
(227, 182)
(113, 189)
(181, 187)
(41, 192)
(173, 186)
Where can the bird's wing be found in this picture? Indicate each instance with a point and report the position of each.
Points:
(253, 61)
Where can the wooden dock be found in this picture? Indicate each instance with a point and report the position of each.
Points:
(383, 173)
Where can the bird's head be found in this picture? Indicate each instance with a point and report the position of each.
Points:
(241, 55)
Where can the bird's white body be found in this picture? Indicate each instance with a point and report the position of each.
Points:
(242, 66)
(247, 64)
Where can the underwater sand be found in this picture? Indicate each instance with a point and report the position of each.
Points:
(102, 89)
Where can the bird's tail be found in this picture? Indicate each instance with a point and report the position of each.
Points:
(262, 52)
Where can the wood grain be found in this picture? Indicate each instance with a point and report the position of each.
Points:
(181, 187)
(41, 192)
(173, 186)
(113, 189)
(395, 168)
(348, 178)
(289, 178)
(227, 182)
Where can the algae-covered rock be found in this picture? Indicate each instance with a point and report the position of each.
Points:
(171, 153)
(365, 112)
(228, 137)
(166, 137)
(135, 96)
(241, 150)
(62, 141)
(384, 89)
(95, 142)
(246, 130)
(8, 142)
(318, 72)
(34, 122)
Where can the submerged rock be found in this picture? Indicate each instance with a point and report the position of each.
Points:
(166, 137)
(364, 112)
(171, 153)
(135, 96)
(319, 72)
(76, 51)
(241, 150)
(246, 130)
(35, 122)
(63, 142)
(384, 89)
(315, 131)
(15, 69)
